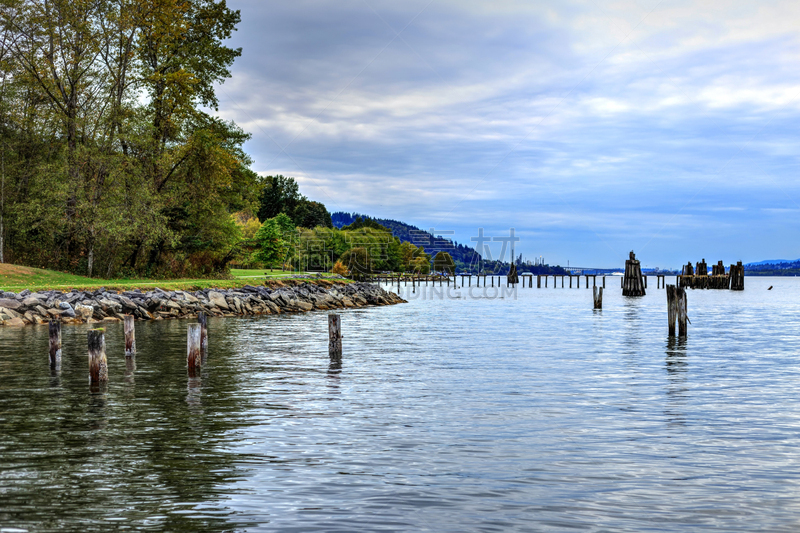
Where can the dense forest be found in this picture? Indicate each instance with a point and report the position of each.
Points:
(109, 161)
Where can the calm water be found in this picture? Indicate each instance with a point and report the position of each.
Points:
(527, 414)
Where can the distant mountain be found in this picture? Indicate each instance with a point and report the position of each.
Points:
(773, 262)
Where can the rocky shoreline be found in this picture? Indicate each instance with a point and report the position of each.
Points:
(79, 307)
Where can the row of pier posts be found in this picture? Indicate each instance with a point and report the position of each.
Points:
(488, 280)
(196, 345)
(698, 277)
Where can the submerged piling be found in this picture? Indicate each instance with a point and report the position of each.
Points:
(193, 353)
(202, 319)
(598, 297)
(98, 366)
(682, 312)
(335, 336)
(130, 336)
(632, 282)
(672, 308)
(55, 344)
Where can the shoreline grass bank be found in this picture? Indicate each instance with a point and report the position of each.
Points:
(15, 278)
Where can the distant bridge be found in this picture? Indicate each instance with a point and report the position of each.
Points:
(593, 270)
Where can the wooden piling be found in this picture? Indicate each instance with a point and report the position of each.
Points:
(130, 336)
(98, 366)
(604, 282)
(672, 308)
(682, 312)
(737, 277)
(598, 297)
(632, 283)
(202, 319)
(538, 281)
(193, 340)
(335, 337)
(55, 344)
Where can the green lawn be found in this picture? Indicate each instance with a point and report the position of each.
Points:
(258, 273)
(16, 278)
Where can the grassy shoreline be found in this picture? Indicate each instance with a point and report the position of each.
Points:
(15, 278)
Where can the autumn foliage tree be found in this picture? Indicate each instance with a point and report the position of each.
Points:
(110, 161)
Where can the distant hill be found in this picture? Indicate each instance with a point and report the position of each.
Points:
(773, 267)
(465, 257)
(773, 262)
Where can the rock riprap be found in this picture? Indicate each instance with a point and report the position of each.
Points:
(103, 305)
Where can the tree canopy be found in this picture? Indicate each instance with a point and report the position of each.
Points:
(109, 161)
(281, 194)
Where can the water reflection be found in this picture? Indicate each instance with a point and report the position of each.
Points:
(100, 456)
(677, 367)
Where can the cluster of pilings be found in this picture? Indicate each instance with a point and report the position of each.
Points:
(633, 282)
(196, 346)
(698, 278)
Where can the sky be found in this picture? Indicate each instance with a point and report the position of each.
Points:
(668, 127)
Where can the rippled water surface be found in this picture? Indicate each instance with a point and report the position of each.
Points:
(527, 414)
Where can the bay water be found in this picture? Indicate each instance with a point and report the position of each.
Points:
(493, 410)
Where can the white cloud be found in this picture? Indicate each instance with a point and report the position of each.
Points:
(528, 111)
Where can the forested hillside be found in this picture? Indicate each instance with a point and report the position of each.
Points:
(464, 256)
(778, 268)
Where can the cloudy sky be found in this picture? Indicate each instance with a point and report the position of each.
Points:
(593, 128)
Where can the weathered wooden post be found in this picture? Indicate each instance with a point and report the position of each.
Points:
(682, 312)
(193, 352)
(645, 281)
(737, 277)
(335, 337)
(130, 336)
(604, 282)
(98, 366)
(598, 297)
(202, 319)
(55, 344)
(632, 283)
(538, 281)
(672, 308)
